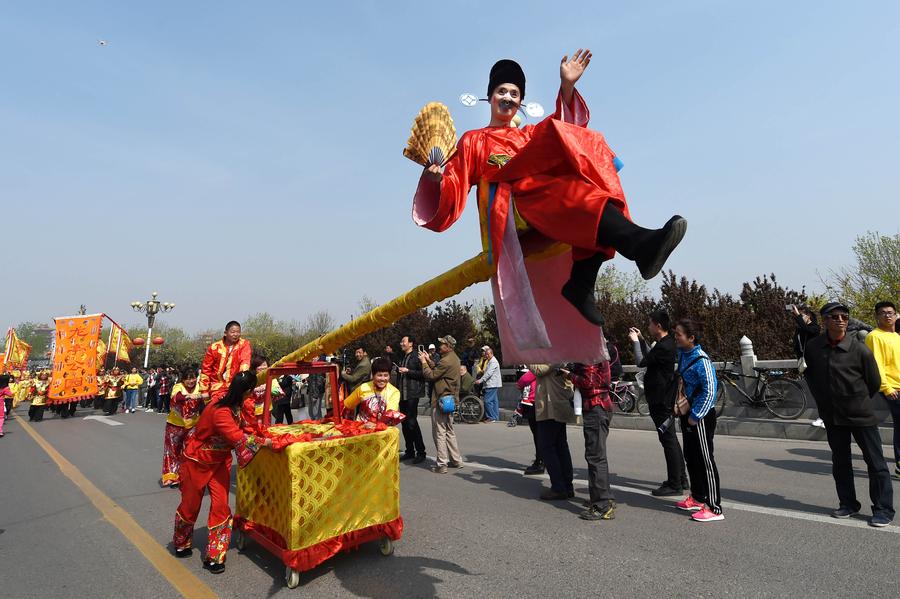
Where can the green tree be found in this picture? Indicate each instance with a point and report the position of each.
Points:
(33, 334)
(875, 276)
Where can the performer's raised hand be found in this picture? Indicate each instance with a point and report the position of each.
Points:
(570, 71)
(434, 173)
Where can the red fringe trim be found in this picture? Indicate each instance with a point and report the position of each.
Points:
(312, 556)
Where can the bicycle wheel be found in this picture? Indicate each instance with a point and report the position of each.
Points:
(471, 409)
(784, 398)
(721, 393)
(627, 401)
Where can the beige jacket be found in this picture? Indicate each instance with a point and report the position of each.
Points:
(553, 396)
(444, 375)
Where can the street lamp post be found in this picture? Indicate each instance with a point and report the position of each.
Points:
(152, 307)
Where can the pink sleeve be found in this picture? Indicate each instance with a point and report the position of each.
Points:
(525, 380)
(576, 113)
(436, 206)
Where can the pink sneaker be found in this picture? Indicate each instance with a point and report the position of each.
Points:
(706, 515)
(688, 504)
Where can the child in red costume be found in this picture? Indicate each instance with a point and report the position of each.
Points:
(207, 466)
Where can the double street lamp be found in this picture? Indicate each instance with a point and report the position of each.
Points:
(151, 307)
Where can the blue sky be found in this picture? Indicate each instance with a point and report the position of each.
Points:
(242, 157)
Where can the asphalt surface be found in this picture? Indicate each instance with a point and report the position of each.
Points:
(478, 532)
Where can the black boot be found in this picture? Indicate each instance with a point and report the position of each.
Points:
(579, 289)
(648, 248)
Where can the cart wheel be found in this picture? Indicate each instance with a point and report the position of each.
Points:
(240, 539)
(386, 546)
(291, 577)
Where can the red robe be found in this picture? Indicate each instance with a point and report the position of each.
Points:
(220, 364)
(558, 175)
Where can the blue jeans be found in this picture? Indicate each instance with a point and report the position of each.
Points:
(130, 398)
(491, 403)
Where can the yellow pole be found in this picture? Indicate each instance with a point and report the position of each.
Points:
(470, 272)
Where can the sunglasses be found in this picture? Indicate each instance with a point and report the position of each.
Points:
(842, 317)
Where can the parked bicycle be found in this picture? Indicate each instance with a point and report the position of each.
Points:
(781, 396)
(622, 394)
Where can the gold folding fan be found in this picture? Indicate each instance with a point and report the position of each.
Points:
(433, 137)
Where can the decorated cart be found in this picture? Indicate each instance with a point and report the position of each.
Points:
(334, 485)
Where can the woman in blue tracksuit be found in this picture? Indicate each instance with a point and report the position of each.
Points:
(699, 425)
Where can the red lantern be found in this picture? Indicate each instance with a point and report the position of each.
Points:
(138, 342)
(158, 341)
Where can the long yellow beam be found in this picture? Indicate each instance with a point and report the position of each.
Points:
(470, 272)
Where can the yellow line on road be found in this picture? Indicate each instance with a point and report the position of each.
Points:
(178, 576)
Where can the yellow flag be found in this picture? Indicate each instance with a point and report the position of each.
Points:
(121, 343)
(17, 352)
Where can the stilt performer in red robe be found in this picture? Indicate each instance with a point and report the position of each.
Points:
(560, 178)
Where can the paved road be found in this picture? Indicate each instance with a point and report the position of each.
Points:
(478, 532)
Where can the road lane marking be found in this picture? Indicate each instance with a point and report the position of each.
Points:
(104, 420)
(731, 505)
(182, 579)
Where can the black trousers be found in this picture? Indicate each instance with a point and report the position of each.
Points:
(282, 411)
(869, 441)
(701, 465)
(110, 406)
(554, 450)
(165, 401)
(596, 429)
(36, 413)
(98, 402)
(528, 411)
(8, 405)
(676, 476)
(412, 432)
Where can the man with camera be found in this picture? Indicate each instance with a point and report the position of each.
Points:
(444, 375)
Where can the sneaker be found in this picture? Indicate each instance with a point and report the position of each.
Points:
(439, 469)
(535, 468)
(407, 456)
(513, 420)
(817, 422)
(689, 505)
(455, 465)
(879, 521)
(599, 512)
(706, 515)
(844, 512)
(665, 490)
(897, 471)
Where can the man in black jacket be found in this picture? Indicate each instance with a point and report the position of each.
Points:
(411, 383)
(843, 376)
(659, 388)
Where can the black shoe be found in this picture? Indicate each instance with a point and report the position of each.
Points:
(419, 459)
(599, 512)
(407, 456)
(535, 468)
(570, 494)
(583, 299)
(214, 567)
(844, 512)
(665, 490)
(552, 495)
(184, 552)
(650, 260)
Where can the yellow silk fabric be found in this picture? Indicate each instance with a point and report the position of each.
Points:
(314, 491)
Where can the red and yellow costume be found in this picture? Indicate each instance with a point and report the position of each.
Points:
(207, 466)
(550, 182)
(114, 389)
(375, 406)
(185, 411)
(220, 364)
(38, 393)
(254, 406)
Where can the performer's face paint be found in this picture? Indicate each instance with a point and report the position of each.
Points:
(505, 102)
(381, 379)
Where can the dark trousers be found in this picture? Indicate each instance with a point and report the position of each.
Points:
(165, 400)
(869, 441)
(110, 406)
(152, 398)
(701, 465)
(554, 450)
(596, 429)
(412, 433)
(676, 476)
(8, 405)
(894, 407)
(67, 409)
(528, 411)
(282, 411)
(98, 402)
(36, 413)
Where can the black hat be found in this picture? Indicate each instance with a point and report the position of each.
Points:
(506, 71)
(832, 306)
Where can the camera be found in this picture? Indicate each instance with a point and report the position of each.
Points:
(789, 307)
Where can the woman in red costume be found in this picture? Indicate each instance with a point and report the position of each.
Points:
(207, 466)
(558, 176)
(186, 402)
